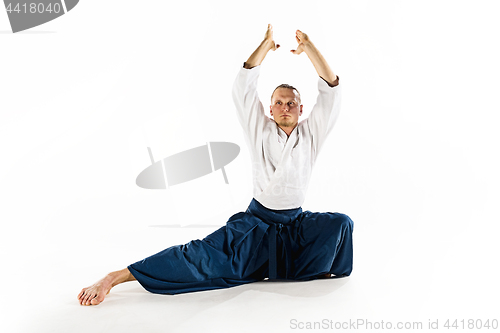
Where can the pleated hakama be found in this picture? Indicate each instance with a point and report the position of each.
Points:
(257, 244)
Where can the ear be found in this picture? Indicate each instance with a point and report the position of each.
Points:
(271, 109)
(300, 113)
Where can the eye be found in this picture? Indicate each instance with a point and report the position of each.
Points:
(278, 103)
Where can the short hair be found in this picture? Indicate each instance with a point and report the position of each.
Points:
(286, 86)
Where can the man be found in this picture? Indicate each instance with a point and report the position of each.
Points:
(274, 238)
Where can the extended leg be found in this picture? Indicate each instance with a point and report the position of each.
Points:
(231, 256)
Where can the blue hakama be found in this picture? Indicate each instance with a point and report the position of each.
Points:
(257, 244)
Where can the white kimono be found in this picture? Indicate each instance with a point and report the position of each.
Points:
(282, 165)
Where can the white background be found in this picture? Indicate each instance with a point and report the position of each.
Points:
(413, 159)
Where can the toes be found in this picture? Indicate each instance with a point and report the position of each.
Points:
(89, 300)
(99, 298)
(88, 297)
(93, 295)
(81, 297)
(82, 293)
(95, 301)
(84, 299)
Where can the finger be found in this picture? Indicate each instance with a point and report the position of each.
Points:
(269, 31)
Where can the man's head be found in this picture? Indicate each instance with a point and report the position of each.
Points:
(285, 107)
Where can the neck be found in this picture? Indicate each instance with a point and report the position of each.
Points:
(288, 129)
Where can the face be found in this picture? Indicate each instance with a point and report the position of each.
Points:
(286, 108)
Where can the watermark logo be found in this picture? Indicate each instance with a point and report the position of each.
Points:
(188, 165)
(27, 14)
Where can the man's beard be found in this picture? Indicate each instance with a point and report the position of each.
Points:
(286, 123)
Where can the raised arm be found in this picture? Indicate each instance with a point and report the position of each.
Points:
(260, 53)
(319, 63)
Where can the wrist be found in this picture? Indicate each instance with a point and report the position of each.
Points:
(267, 44)
(309, 46)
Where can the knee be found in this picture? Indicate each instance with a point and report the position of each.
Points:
(344, 221)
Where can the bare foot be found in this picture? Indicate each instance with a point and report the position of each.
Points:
(326, 276)
(95, 294)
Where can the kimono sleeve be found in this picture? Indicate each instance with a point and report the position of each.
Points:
(249, 108)
(324, 113)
